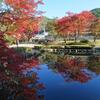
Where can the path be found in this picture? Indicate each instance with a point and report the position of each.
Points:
(25, 45)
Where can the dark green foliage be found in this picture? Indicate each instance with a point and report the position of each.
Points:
(84, 41)
(49, 24)
(96, 12)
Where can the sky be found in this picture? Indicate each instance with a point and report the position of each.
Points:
(58, 8)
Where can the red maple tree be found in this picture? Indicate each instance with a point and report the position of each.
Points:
(16, 22)
(75, 24)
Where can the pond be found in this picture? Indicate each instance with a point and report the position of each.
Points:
(69, 77)
(60, 76)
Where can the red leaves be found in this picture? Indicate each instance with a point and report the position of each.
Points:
(82, 77)
(74, 23)
(20, 66)
(40, 86)
(21, 22)
(72, 69)
(12, 66)
(24, 6)
(26, 81)
(30, 91)
(18, 23)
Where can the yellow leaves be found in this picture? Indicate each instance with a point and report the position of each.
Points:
(3, 28)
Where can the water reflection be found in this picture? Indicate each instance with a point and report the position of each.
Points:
(72, 68)
(21, 84)
(58, 77)
(94, 64)
(69, 77)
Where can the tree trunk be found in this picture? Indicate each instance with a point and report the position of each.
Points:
(95, 37)
(17, 42)
(75, 39)
(77, 35)
(65, 40)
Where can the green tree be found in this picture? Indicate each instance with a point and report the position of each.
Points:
(49, 25)
(96, 12)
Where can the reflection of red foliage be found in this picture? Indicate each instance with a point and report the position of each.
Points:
(71, 69)
(40, 86)
(21, 21)
(81, 77)
(30, 94)
(72, 63)
(9, 58)
(12, 66)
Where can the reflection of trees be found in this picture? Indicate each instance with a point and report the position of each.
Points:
(26, 88)
(13, 82)
(48, 57)
(94, 64)
(69, 67)
(72, 67)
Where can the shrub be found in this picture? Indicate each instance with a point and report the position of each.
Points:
(84, 41)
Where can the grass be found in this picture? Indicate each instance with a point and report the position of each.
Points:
(78, 43)
(62, 44)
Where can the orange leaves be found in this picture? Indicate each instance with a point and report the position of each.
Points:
(75, 23)
(24, 6)
(17, 22)
(21, 26)
(27, 24)
(22, 20)
(33, 26)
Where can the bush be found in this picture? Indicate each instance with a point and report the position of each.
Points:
(20, 49)
(84, 41)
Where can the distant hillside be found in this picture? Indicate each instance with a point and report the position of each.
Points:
(96, 12)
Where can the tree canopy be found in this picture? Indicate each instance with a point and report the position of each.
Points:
(96, 12)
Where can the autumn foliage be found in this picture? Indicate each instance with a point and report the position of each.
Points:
(75, 24)
(18, 22)
(71, 68)
(22, 20)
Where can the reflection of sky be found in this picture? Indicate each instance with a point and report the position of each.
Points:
(58, 89)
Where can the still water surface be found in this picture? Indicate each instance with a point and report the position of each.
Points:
(54, 76)
(69, 77)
